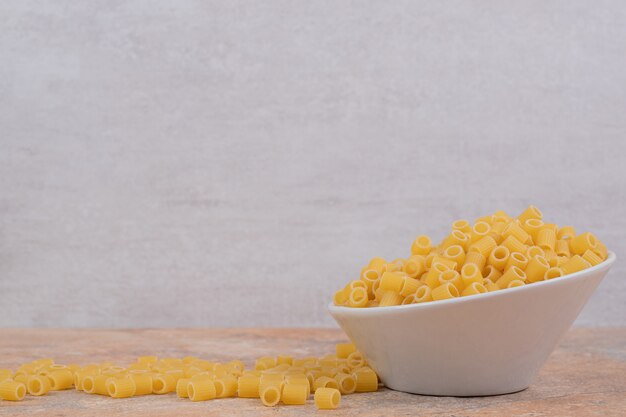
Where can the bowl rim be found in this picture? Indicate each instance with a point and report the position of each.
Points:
(606, 264)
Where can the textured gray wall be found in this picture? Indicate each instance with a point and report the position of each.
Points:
(231, 163)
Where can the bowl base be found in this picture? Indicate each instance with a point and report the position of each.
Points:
(490, 393)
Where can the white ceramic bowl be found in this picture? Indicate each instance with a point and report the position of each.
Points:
(486, 344)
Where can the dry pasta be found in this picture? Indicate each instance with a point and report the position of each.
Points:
(366, 380)
(12, 390)
(295, 394)
(343, 350)
(120, 387)
(346, 383)
(38, 385)
(327, 398)
(496, 252)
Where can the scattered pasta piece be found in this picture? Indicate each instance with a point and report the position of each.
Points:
(273, 380)
(12, 390)
(327, 398)
(38, 385)
(121, 387)
(270, 395)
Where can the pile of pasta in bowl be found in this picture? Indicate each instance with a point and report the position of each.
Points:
(495, 253)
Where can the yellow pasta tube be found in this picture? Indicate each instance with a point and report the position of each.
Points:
(453, 278)
(514, 245)
(516, 259)
(302, 379)
(248, 386)
(551, 226)
(497, 228)
(562, 248)
(357, 283)
(324, 382)
(341, 297)
(554, 272)
(456, 238)
(515, 230)
(366, 380)
(343, 350)
(449, 263)
(502, 216)
(120, 387)
(270, 395)
(225, 386)
(565, 232)
(143, 382)
(476, 258)
(271, 378)
(480, 230)
(428, 260)
(38, 385)
(409, 286)
(390, 298)
(392, 267)
(12, 390)
(455, 253)
(546, 239)
(369, 277)
(358, 297)
(415, 266)
(576, 263)
(533, 226)
(294, 394)
(345, 382)
(462, 226)
(531, 212)
(201, 390)
(377, 264)
(533, 251)
(432, 278)
(536, 269)
(95, 384)
(490, 272)
(470, 273)
(423, 294)
(499, 257)
(485, 245)
(583, 242)
(552, 258)
(327, 398)
(378, 294)
(408, 300)
(511, 274)
(445, 291)
(421, 246)
(601, 250)
(591, 257)
(61, 379)
(181, 388)
(392, 281)
(490, 285)
(164, 383)
(516, 283)
(473, 289)
(355, 360)
(560, 260)
(21, 377)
